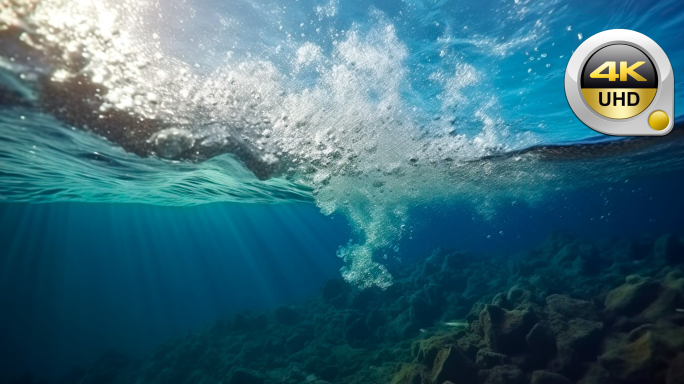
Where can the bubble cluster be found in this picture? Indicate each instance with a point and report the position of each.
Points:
(337, 118)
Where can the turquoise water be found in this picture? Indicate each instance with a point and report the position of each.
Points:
(385, 120)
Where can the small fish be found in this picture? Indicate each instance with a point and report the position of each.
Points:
(457, 324)
(679, 310)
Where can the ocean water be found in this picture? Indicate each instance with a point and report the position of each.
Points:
(304, 141)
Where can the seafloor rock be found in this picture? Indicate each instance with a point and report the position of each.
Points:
(636, 333)
(633, 296)
(500, 300)
(502, 374)
(422, 313)
(425, 351)
(571, 308)
(358, 331)
(670, 299)
(419, 330)
(675, 373)
(541, 344)
(545, 377)
(505, 331)
(581, 337)
(245, 376)
(296, 342)
(520, 293)
(577, 341)
(567, 254)
(486, 359)
(107, 369)
(647, 358)
(595, 374)
(474, 313)
(470, 344)
(450, 364)
(410, 374)
(639, 249)
(286, 315)
(327, 372)
(334, 289)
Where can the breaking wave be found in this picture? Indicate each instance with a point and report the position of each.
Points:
(367, 109)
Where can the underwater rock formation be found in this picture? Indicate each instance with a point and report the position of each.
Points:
(455, 317)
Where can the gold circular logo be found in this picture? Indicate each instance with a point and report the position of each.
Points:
(619, 81)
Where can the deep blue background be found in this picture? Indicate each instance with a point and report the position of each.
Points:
(645, 206)
(79, 279)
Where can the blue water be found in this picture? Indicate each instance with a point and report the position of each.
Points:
(81, 279)
(383, 108)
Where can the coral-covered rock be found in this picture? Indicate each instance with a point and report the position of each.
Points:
(633, 296)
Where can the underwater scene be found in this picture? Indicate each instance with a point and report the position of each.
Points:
(330, 191)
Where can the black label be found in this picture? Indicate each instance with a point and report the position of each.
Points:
(619, 66)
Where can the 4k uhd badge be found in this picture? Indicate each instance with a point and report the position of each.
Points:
(620, 82)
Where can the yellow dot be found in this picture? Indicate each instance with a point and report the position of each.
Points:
(658, 120)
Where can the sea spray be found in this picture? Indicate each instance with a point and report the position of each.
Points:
(349, 114)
